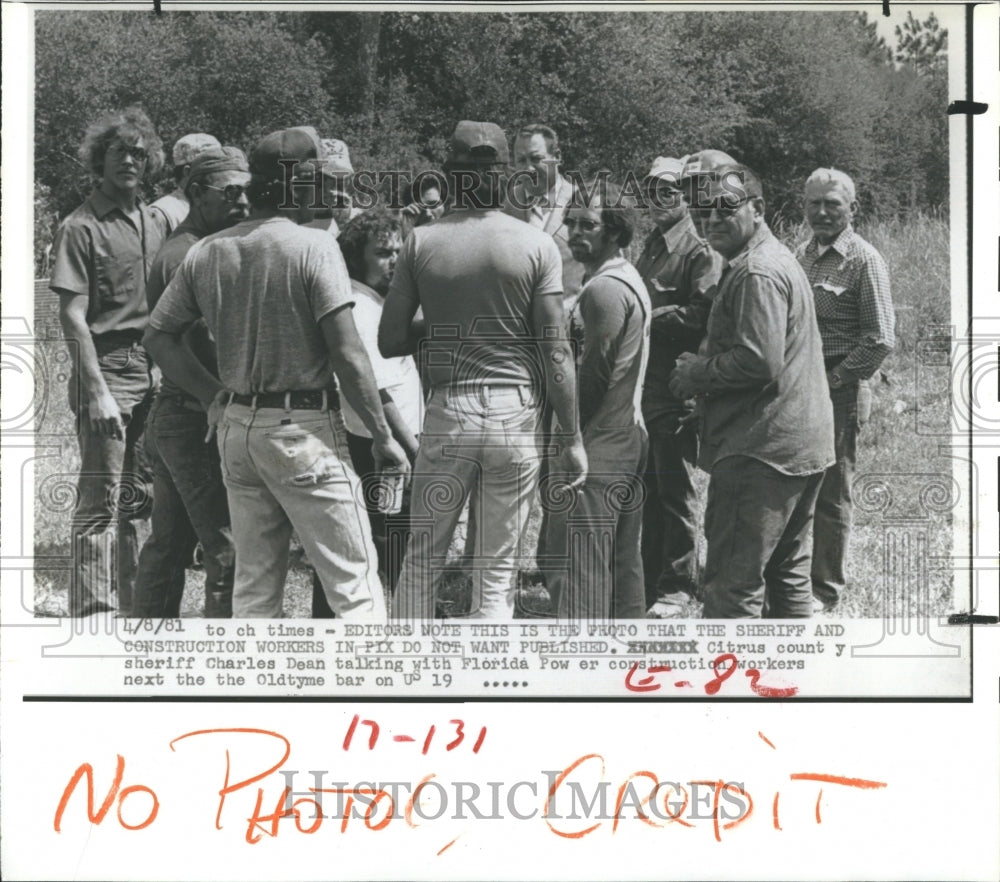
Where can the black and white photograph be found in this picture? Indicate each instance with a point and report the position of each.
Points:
(530, 356)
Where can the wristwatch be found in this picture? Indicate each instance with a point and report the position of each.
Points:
(835, 379)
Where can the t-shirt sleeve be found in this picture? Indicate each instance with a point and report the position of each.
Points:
(177, 307)
(550, 269)
(71, 260)
(329, 284)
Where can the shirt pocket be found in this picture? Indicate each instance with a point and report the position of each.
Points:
(116, 281)
(827, 296)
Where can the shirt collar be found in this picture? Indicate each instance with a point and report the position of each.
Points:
(561, 195)
(842, 244)
(103, 206)
(672, 237)
(761, 234)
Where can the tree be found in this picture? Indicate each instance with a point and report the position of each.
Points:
(924, 45)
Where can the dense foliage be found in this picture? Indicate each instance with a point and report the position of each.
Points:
(785, 92)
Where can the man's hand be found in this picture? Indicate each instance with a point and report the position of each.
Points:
(215, 409)
(681, 384)
(573, 464)
(667, 314)
(105, 417)
(390, 456)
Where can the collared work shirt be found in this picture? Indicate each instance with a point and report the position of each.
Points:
(850, 284)
(679, 269)
(762, 371)
(100, 252)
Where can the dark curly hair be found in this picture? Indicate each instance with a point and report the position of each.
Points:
(128, 125)
(359, 231)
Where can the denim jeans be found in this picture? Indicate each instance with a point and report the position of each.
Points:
(594, 568)
(834, 511)
(758, 524)
(290, 469)
(479, 444)
(114, 487)
(189, 506)
(389, 531)
(669, 532)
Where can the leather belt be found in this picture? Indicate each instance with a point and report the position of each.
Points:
(309, 399)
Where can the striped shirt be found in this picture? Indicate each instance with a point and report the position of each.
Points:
(850, 284)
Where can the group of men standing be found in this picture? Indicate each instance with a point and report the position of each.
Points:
(551, 365)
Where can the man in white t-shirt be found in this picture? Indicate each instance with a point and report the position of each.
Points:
(370, 244)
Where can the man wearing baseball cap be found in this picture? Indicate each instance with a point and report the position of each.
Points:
(767, 419)
(680, 272)
(189, 498)
(493, 344)
(173, 207)
(276, 296)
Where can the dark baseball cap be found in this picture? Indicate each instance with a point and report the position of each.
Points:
(482, 142)
(270, 158)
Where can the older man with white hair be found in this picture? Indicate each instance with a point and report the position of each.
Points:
(850, 284)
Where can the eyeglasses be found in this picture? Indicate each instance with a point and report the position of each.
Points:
(231, 192)
(120, 151)
(584, 226)
(726, 208)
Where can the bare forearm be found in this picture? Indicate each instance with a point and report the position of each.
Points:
(398, 426)
(560, 384)
(179, 364)
(77, 334)
(357, 384)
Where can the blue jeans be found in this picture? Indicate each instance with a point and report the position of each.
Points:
(594, 568)
(290, 469)
(482, 445)
(669, 532)
(834, 510)
(189, 506)
(114, 488)
(758, 524)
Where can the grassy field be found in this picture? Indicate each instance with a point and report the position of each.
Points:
(903, 478)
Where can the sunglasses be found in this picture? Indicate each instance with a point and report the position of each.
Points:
(231, 192)
(725, 208)
(585, 226)
(120, 151)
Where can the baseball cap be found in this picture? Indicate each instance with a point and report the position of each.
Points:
(705, 162)
(298, 145)
(667, 168)
(482, 142)
(188, 147)
(217, 159)
(336, 157)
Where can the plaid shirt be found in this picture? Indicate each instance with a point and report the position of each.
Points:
(850, 283)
